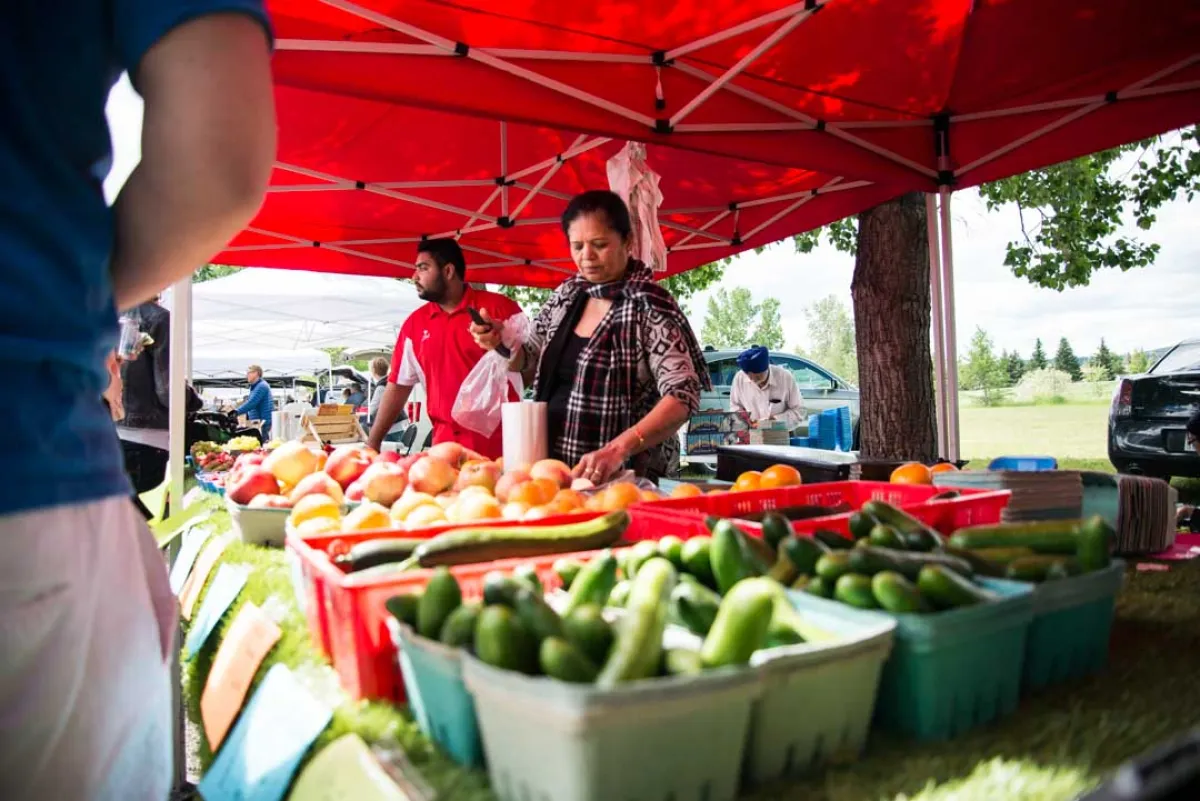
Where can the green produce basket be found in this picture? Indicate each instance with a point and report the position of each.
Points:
(817, 697)
(1072, 621)
(954, 670)
(437, 695)
(665, 739)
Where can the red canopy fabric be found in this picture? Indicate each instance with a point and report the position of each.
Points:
(359, 182)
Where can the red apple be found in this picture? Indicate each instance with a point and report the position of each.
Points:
(249, 459)
(509, 480)
(478, 474)
(354, 492)
(552, 469)
(317, 484)
(383, 483)
(449, 452)
(432, 475)
(388, 456)
(349, 462)
(251, 481)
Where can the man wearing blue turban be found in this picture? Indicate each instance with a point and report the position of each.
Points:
(766, 392)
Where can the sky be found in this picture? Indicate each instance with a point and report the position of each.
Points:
(1145, 308)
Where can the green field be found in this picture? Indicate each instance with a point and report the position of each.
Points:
(1066, 431)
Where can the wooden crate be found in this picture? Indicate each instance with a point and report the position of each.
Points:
(333, 424)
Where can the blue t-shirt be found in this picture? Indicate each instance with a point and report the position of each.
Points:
(57, 316)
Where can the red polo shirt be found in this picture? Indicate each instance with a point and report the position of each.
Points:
(445, 352)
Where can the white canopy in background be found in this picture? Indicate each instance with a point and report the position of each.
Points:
(258, 309)
(232, 363)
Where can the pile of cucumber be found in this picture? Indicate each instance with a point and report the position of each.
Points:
(1036, 551)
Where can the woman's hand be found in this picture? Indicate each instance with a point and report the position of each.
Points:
(600, 465)
(486, 336)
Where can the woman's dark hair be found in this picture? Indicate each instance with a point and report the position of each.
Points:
(443, 252)
(603, 202)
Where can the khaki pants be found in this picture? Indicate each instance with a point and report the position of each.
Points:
(87, 621)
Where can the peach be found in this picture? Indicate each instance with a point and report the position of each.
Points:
(427, 515)
(317, 483)
(291, 462)
(366, 517)
(318, 526)
(552, 470)
(383, 483)
(349, 462)
(249, 482)
(354, 492)
(476, 506)
(313, 506)
(270, 502)
(432, 475)
(508, 481)
(478, 474)
(449, 452)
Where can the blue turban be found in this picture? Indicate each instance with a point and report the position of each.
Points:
(754, 360)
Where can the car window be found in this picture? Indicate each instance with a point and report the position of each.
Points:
(1182, 357)
(722, 371)
(807, 377)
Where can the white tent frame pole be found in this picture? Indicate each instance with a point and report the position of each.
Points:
(504, 167)
(181, 335)
(939, 331)
(953, 450)
(795, 9)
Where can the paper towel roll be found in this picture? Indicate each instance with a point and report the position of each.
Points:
(526, 439)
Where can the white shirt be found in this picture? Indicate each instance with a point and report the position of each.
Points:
(780, 398)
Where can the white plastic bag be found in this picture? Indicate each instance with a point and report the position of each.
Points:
(477, 406)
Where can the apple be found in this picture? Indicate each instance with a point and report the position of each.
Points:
(313, 506)
(251, 481)
(446, 500)
(383, 482)
(474, 506)
(354, 492)
(552, 469)
(449, 452)
(478, 474)
(291, 462)
(581, 484)
(514, 510)
(432, 475)
(318, 484)
(409, 501)
(318, 526)
(249, 459)
(508, 481)
(367, 517)
(427, 515)
(349, 462)
(270, 502)
(388, 456)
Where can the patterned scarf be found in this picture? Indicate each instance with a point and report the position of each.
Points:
(645, 326)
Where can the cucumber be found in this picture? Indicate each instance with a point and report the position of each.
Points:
(897, 594)
(1044, 537)
(694, 606)
(696, 561)
(527, 575)
(619, 595)
(989, 561)
(788, 626)
(917, 535)
(854, 589)
(503, 641)
(637, 649)
(500, 589)
(1038, 568)
(822, 588)
(567, 570)
(775, 529)
(587, 630)
(885, 536)
(536, 614)
(870, 560)
(459, 629)
(594, 583)
(1094, 551)
(759, 554)
(561, 660)
(404, 608)
(797, 557)
(742, 622)
(730, 559)
(682, 662)
(945, 589)
(833, 565)
(372, 553)
(670, 548)
(860, 525)
(832, 540)
(638, 555)
(441, 597)
(485, 544)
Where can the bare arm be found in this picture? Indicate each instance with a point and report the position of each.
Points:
(208, 144)
(390, 406)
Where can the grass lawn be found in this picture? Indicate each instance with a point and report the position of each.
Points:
(1067, 431)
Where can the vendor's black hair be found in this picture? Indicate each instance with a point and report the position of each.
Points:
(600, 201)
(443, 252)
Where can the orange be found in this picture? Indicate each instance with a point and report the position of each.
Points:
(780, 475)
(620, 496)
(535, 492)
(912, 473)
(748, 481)
(650, 495)
(943, 467)
(716, 492)
(686, 491)
(568, 499)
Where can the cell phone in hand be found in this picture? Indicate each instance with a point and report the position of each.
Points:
(477, 318)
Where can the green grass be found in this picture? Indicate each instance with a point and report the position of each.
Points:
(1067, 431)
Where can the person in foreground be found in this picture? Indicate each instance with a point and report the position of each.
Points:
(610, 353)
(435, 347)
(87, 619)
(765, 391)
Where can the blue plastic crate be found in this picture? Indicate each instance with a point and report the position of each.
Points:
(952, 671)
(1072, 622)
(844, 434)
(1024, 464)
(822, 431)
(439, 699)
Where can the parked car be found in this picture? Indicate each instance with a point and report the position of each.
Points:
(1147, 423)
(820, 388)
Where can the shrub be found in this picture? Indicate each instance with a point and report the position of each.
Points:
(1044, 386)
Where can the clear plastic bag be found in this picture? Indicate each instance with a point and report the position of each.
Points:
(477, 406)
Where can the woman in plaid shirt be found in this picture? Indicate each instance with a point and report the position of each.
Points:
(611, 353)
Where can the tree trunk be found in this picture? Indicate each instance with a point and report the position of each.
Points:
(891, 317)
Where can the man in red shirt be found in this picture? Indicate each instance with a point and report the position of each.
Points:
(435, 347)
